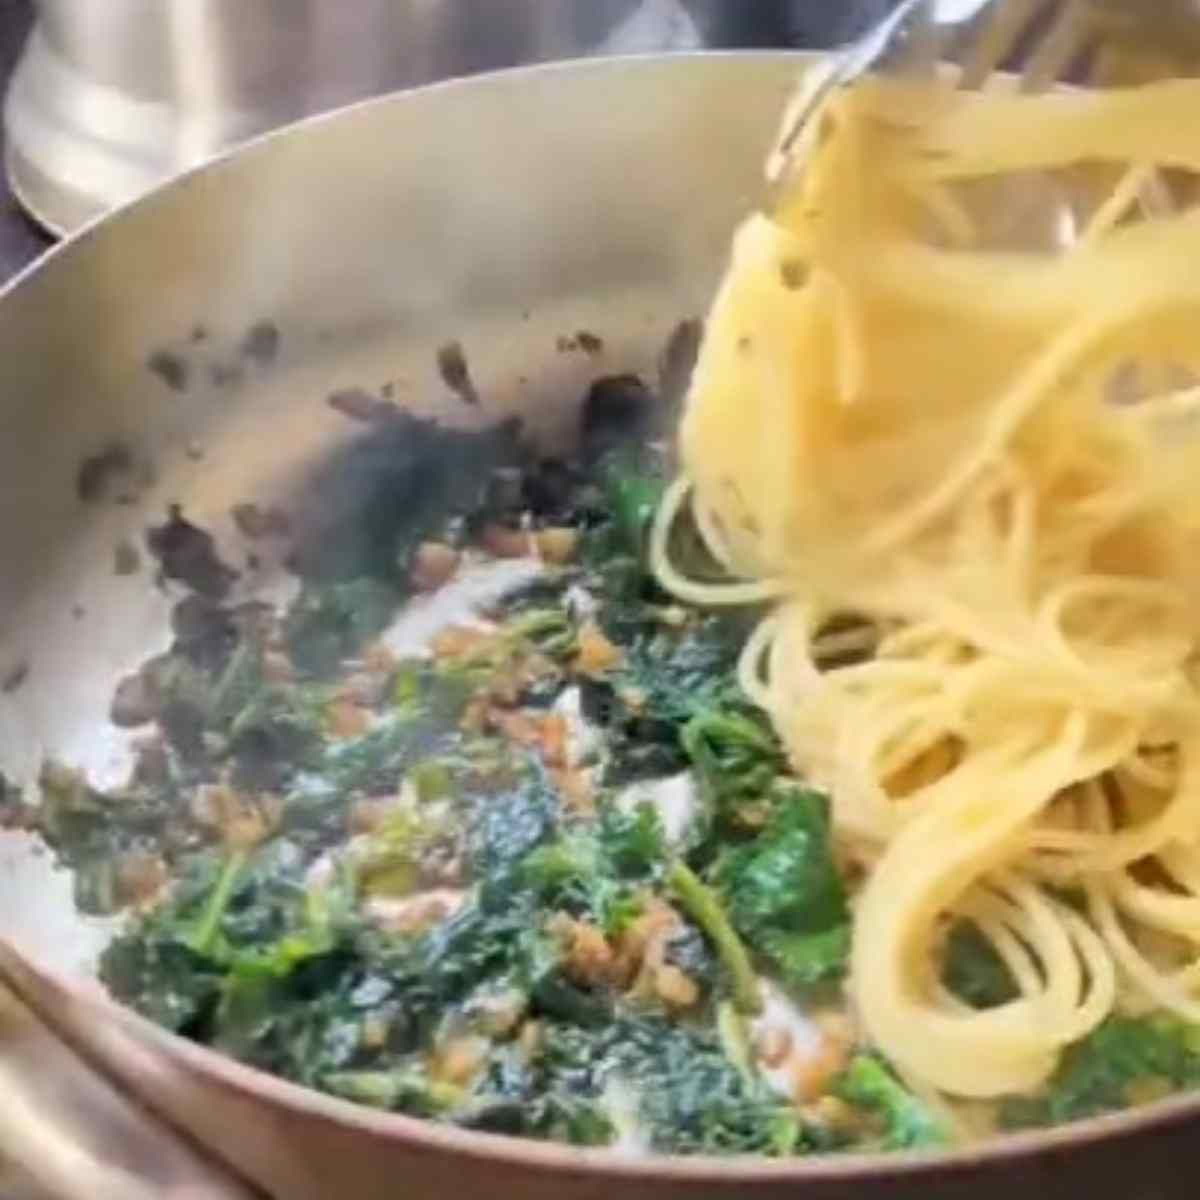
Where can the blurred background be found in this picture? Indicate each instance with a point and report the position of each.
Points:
(105, 98)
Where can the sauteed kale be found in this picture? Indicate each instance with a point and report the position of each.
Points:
(550, 878)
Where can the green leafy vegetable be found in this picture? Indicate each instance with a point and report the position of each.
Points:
(704, 906)
(908, 1124)
(282, 724)
(404, 1089)
(237, 685)
(807, 959)
(632, 843)
(158, 975)
(597, 870)
(551, 1096)
(688, 1098)
(974, 971)
(736, 760)
(88, 830)
(330, 622)
(154, 966)
(540, 972)
(376, 762)
(633, 491)
(507, 828)
(203, 938)
(266, 955)
(396, 852)
(784, 893)
(1097, 1074)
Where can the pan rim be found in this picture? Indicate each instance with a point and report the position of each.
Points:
(31, 981)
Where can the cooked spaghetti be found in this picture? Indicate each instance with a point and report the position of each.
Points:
(965, 477)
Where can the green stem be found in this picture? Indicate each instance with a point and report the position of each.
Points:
(700, 902)
(229, 682)
(731, 1029)
(209, 926)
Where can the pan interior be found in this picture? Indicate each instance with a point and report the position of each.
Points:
(183, 351)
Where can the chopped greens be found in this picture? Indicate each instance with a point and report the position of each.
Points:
(704, 907)
(1105, 1071)
(907, 1124)
(398, 881)
(737, 761)
(973, 970)
(805, 960)
(633, 489)
(784, 893)
(598, 871)
(329, 622)
(427, 886)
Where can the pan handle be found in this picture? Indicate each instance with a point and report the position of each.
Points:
(67, 1134)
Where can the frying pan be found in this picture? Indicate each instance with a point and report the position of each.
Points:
(182, 352)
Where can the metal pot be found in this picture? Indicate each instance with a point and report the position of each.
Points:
(112, 96)
(182, 352)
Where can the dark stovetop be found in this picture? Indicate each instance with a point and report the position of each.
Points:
(21, 241)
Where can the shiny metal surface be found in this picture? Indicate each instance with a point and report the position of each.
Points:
(114, 95)
(501, 212)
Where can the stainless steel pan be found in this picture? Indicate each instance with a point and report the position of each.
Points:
(182, 351)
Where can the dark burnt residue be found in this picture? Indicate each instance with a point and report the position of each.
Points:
(187, 554)
(547, 488)
(261, 343)
(618, 409)
(116, 473)
(677, 362)
(224, 375)
(254, 522)
(204, 631)
(590, 343)
(134, 702)
(14, 676)
(15, 814)
(172, 368)
(199, 333)
(361, 509)
(97, 472)
(167, 688)
(360, 405)
(456, 374)
(127, 559)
